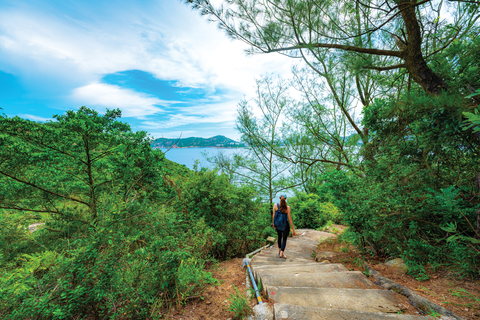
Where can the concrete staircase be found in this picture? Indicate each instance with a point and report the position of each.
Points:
(304, 289)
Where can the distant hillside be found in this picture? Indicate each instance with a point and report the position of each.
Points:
(217, 142)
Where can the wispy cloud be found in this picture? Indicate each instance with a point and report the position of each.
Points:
(34, 118)
(174, 134)
(74, 44)
(178, 120)
(132, 103)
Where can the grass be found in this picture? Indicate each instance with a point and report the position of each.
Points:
(465, 295)
(239, 305)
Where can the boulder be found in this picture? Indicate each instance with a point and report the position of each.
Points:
(36, 226)
(397, 263)
(271, 239)
(325, 256)
(262, 312)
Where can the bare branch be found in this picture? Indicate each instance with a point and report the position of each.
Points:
(379, 52)
(396, 66)
(43, 189)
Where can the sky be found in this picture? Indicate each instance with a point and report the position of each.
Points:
(168, 70)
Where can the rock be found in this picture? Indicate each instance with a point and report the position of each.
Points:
(326, 255)
(262, 312)
(34, 227)
(271, 239)
(397, 263)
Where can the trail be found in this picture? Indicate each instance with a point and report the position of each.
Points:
(304, 289)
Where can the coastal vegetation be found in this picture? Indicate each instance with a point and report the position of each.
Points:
(195, 142)
(380, 119)
(377, 128)
(121, 232)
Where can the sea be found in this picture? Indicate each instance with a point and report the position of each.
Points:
(188, 156)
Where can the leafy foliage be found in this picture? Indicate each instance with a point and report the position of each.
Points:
(238, 221)
(308, 211)
(419, 172)
(126, 233)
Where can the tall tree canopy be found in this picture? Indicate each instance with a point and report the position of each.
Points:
(386, 35)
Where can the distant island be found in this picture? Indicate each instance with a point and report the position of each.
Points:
(195, 142)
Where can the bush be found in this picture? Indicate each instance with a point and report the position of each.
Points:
(240, 223)
(387, 218)
(133, 270)
(127, 233)
(308, 211)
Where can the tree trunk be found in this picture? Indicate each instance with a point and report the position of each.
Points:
(478, 225)
(414, 61)
(477, 235)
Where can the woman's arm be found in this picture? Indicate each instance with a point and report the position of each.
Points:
(273, 216)
(290, 220)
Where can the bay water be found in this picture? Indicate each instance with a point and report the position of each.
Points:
(188, 156)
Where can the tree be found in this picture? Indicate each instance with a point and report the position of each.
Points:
(324, 120)
(387, 35)
(262, 134)
(69, 167)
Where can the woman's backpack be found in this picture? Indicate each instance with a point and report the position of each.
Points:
(280, 220)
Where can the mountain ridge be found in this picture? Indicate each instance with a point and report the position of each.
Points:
(218, 141)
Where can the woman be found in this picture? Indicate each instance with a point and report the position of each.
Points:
(282, 235)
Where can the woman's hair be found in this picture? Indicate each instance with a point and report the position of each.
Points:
(283, 205)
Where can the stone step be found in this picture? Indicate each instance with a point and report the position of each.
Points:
(299, 269)
(301, 248)
(278, 262)
(277, 258)
(295, 242)
(361, 300)
(342, 279)
(286, 311)
(291, 265)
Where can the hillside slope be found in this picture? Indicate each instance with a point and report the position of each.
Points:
(217, 141)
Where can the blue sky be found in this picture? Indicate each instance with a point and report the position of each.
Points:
(168, 70)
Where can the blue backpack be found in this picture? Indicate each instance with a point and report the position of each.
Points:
(280, 221)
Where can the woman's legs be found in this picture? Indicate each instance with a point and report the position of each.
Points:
(282, 240)
(280, 237)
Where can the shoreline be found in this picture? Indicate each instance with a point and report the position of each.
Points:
(198, 147)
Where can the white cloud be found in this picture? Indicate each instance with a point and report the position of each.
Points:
(74, 48)
(184, 47)
(174, 134)
(177, 120)
(132, 103)
(34, 118)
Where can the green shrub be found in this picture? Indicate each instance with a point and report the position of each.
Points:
(308, 211)
(131, 270)
(127, 234)
(240, 224)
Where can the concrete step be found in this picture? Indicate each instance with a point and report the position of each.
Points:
(361, 300)
(291, 265)
(286, 311)
(278, 262)
(277, 258)
(313, 234)
(299, 269)
(342, 279)
(298, 247)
